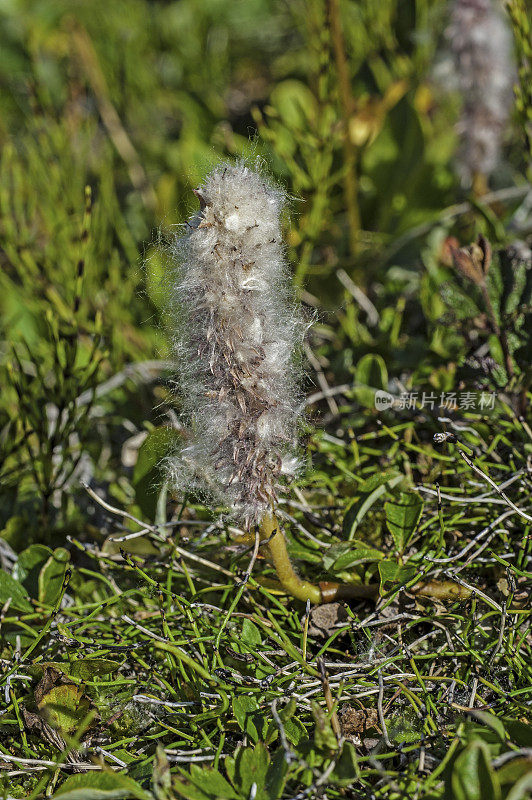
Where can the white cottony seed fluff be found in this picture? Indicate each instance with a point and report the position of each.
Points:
(238, 333)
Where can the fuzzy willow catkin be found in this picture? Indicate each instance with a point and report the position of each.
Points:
(238, 331)
(237, 335)
(481, 46)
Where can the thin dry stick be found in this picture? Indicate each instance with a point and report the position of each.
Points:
(489, 528)
(380, 710)
(87, 55)
(474, 590)
(119, 511)
(335, 723)
(153, 529)
(44, 764)
(525, 752)
(492, 483)
(144, 371)
(526, 427)
(499, 196)
(247, 574)
(322, 380)
(485, 497)
(361, 298)
(142, 629)
(473, 693)
(501, 636)
(289, 755)
(329, 392)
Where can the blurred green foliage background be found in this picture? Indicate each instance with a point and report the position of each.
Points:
(137, 100)
(110, 114)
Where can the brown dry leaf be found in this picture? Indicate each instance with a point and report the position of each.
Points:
(36, 725)
(468, 263)
(324, 619)
(449, 244)
(485, 248)
(51, 677)
(473, 261)
(358, 720)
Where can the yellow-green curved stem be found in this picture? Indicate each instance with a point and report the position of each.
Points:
(329, 591)
(290, 581)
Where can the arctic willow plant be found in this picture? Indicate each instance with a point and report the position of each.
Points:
(481, 47)
(238, 331)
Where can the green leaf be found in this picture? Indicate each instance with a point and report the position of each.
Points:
(252, 766)
(295, 730)
(158, 444)
(189, 790)
(484, 730)
(355, 552)
(324, 736)
(249, 718)
(101, 786)
(289, 710)
(522, 789)
(161, 779)
(52, 575)
(15, 532)
(346, 769)
(492, 722)
(392, 572)
(28, 566)
(230, 768)
(368, 493)
(519, 732)
(212, 783)
(277, 774)
(461, 303)
(295, 103)
(64, 707)
(402, 517)
(512, 772)
(304, 550)
(293, 727)
(84, 668)
(343, 555)
(251, 634)
(243, 705)
(10, 589)
(472, 776)
(370, 374)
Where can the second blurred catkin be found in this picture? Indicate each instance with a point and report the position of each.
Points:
(481, 46)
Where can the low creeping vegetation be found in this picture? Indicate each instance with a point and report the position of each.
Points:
(152, 647)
